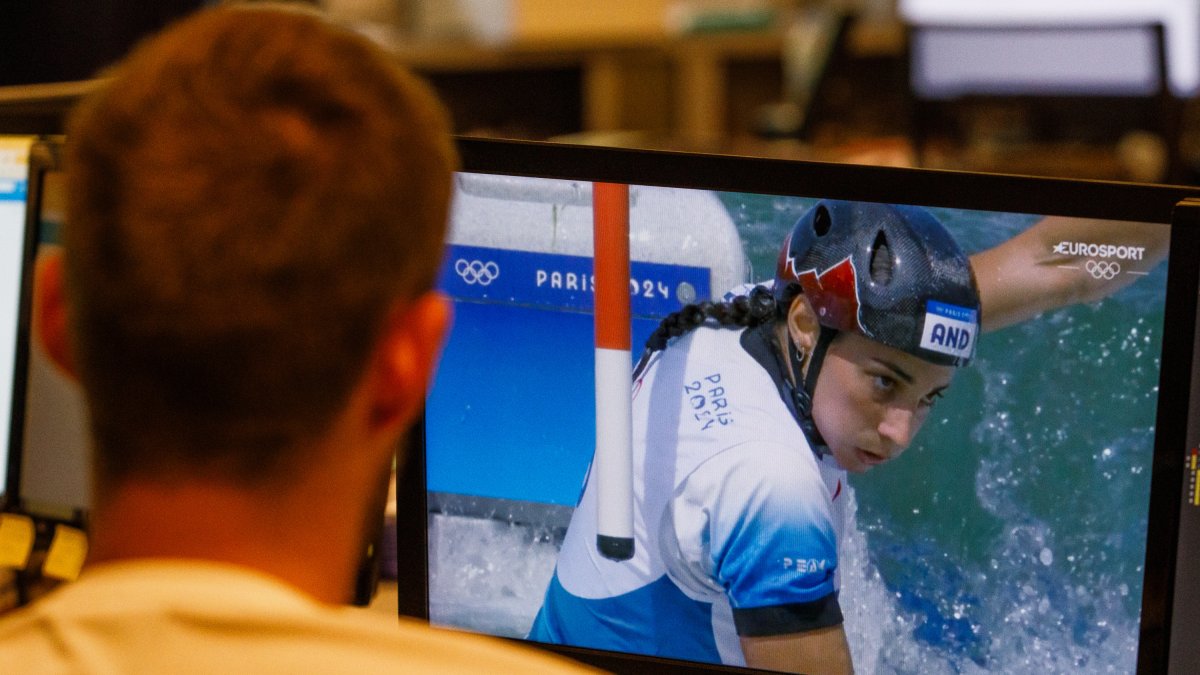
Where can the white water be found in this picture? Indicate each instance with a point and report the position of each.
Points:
(486, 575)
(489, 576)
(1033, 621)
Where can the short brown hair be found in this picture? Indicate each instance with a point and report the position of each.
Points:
(248, 196)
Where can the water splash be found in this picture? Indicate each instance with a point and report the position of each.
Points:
(487, 575)
(1035, 619)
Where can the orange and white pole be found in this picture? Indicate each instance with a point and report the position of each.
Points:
(613, 464)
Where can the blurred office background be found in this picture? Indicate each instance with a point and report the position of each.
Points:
(1081, 88)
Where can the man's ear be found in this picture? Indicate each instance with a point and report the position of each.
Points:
(803, 327)
(51, 311)
(407, 356)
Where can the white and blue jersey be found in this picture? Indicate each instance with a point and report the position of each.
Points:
(735, 523)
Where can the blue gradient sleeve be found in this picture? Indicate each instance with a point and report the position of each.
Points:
(754, 523)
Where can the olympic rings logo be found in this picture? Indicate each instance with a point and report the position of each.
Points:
(1102, 269)
(477, 272)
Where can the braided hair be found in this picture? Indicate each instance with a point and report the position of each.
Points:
(752, 310)
(745, 311)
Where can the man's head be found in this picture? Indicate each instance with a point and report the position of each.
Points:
(252, 196)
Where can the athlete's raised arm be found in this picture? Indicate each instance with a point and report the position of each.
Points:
(818, 652)
(1062, 261)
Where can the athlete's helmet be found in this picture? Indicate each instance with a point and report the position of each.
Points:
(890, 273)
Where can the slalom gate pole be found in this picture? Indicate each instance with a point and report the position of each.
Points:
(613, 463)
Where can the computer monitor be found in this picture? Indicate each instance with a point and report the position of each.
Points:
(1083, 76)
(14, 175)
(1092, 35)
(48, 415)
(1031, 524)
(954, 61)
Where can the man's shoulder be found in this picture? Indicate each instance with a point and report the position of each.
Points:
(233, 621)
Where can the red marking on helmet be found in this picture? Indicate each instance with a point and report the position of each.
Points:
(833, 295)
(837, 491)
(785, 266)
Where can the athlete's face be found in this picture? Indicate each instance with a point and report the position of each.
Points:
(871, 399)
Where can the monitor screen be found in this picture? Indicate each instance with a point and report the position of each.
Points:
(993, 487)
(14, 175)
(953, 61)
(49, 422)
(1072, 21)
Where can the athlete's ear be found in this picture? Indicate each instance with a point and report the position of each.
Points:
(803, 327)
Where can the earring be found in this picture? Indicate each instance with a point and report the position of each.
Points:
(798, 356)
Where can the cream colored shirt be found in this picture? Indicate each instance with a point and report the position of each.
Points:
(192, 617)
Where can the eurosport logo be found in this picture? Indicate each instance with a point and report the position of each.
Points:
(1102, 263)
(476, 271)
(1110, 251)
(1102, 269)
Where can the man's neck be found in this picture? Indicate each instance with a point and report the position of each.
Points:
(311, 543)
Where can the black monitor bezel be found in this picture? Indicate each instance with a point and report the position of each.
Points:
(989, 192)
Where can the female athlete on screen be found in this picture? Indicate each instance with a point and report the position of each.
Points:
(748, 414)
